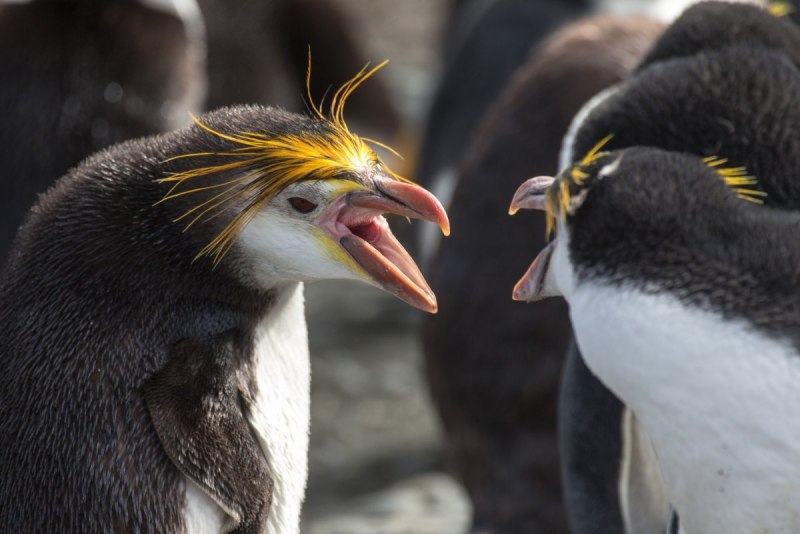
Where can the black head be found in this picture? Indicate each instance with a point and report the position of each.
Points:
(710, 26)
(639, 203)
(632, 215)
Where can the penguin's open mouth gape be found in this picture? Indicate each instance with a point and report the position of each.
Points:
(533, 284)
(356, 222)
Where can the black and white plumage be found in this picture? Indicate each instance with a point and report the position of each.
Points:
(700, 93)
(144, 387)
(683, 297)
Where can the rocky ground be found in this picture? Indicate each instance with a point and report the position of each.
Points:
(376, 459)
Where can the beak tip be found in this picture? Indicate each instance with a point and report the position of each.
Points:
(512, 210)
(517, 295)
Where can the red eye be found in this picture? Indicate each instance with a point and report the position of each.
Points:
(302, 205)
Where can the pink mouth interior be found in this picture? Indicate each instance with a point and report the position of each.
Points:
(366, 224)
(369, 231)
(365, 234)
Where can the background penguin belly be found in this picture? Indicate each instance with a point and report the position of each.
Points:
(717, 398)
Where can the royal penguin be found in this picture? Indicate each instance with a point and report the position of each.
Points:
(79, 76)
(683, 294)
(496, 390)
(154, 369)
(698, 91)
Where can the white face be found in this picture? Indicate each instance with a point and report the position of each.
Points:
(284, 244)
(335, 229)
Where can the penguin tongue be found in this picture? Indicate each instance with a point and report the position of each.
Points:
(533, 284)
(377, 251)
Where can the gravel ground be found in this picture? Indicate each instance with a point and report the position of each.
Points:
(375, 459)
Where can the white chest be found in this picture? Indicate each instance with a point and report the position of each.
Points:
(718, 399)
(280, 418)
(281, 415)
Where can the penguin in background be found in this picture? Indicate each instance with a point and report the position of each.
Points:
(154, 371)
(496, 389)
(79, 76)
(702, 94)
(257, 54)
(486, 42)
(683, 294)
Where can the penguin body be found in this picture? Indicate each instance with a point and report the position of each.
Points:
(683, 299)
(78, 77)
(147, 368)
(720, 99)
(507, 458)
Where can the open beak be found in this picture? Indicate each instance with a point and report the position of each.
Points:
(530, 195)
(534, 284)
(356, 222)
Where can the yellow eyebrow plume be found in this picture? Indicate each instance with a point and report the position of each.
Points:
(737, 179)
(780, 9)
(595, 151)
(267, 163)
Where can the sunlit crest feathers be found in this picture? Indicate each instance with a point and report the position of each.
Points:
(780, 9)
(270, 163)
(558, 200)
(737, 179)
(558, 197)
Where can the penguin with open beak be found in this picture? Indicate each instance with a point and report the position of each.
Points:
(699, 92)
(683, 294)
(154, 371)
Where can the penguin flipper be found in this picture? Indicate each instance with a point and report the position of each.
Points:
(612, 482)
(197, 413)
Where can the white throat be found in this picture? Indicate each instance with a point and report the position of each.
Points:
(717, 398)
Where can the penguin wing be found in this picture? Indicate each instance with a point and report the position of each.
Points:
(197, 413)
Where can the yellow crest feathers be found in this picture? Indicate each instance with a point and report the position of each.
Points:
(737, 179)
(595, 153)
(557, 201)
(780, 9)
(558, 196)
(269, 162)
